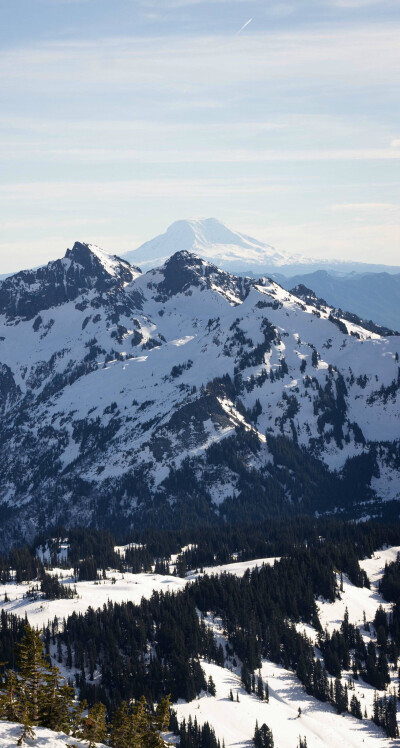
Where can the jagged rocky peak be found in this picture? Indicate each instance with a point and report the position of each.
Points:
(186, 270)
(307, 295)
(92, 258)
(84, 267)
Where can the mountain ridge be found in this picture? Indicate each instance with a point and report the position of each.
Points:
(188, 392)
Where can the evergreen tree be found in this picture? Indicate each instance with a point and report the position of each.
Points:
(25, 719)
(121, 728)
(355, 707)
(10, 699)
(211, 686)
(33, 670)
(56, 705)
(263, 737)
(94, 728)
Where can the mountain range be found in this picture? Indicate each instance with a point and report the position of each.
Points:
(187, 392)
(370, 290)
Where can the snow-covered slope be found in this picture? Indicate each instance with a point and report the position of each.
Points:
(212, 240)
(118, 389)
(234, 721)
(373, 296)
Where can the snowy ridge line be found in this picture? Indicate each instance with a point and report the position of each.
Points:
(112, 379)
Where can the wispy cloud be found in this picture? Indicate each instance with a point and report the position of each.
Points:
(366, 207)
(217, 156)
(192, 65)
(184, 3)
(75, 192)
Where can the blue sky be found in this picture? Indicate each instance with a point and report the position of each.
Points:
(117, 118)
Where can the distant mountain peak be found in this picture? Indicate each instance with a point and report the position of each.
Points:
(213, 241)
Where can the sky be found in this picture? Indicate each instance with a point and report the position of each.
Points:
(279, 117)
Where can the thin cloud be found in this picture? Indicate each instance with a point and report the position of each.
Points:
(80, 191)
(196, 66)
(362, 207)
(200, 156)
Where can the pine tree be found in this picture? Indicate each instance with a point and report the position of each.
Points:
(57, 702)
(94, 728)
(33, 670)
(263, 737)
(10, 699)
(25, 719)
(140, 725)
(355, 707)
(121, 728)
(160, 722)
(211, 686)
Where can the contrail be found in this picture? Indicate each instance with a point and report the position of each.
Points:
(245, 25)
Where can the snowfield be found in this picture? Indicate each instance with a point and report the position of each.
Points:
(126, 587)
(235, 721)
(117, 587)
(237, 568)
(319, 723)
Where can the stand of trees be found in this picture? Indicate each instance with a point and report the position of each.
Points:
(36, 695)
(192, 735)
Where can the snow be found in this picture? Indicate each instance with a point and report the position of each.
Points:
(238, 568)
(212, 240)
(358, 600)
(319, 723)
(375, 566)
(235, 721)
(110, 263)
(90, 594)
(195, 326)
(9, 733)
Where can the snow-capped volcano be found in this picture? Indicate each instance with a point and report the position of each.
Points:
(238, 253)
(186, 393)
(212, 240)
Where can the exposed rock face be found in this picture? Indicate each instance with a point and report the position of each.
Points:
(187, 393)
(29, 292)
